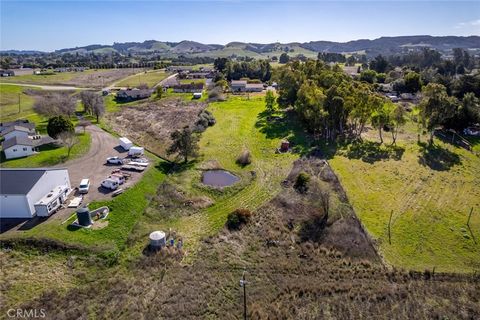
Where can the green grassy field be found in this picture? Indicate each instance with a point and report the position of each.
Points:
(239, 126)
(430, 194)
(9, 110)
(43, 79)
(149, 78)
(49, 155)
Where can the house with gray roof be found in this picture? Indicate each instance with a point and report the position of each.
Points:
(25, 193)
(20, 146)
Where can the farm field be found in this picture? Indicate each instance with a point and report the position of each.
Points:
(430, 193)
(150, 78)
(9, 96)
(88, 79)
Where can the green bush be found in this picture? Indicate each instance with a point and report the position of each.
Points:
(238, 218)
(59, 124)
(301, 184)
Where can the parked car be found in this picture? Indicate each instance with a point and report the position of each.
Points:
(115, 160)
(110, 183)
(84, 186)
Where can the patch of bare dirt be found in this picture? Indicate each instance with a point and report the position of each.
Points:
(150, 124)
(102, 78)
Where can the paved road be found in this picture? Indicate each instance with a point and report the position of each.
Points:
(165, 80)
(93, 165)
(46, 87)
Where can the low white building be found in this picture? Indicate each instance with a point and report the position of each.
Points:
(25, 193)
(17, 131)
(18, 147)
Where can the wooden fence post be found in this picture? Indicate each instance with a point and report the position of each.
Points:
(389, 228)
(469, 216)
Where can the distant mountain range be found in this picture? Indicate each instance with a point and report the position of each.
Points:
(383, 45)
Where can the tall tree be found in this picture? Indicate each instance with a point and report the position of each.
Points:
(68, 139)
(413, 82)
(398, 119)
(436, 107)
(379, 64)
(98, 107)
(184, 143)
(309, 106)
(284, 58)
(381, 118)
(270, 101)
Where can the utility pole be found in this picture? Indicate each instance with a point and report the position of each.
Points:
(19, 106)
(243, 283)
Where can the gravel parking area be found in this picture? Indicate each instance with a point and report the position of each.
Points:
(93, 165)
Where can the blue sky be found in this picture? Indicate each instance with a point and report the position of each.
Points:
(54, 25)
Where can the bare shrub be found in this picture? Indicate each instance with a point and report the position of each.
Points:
(245, 158)
(238, 218)
(55, 104)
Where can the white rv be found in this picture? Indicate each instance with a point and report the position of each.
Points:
(125, 143)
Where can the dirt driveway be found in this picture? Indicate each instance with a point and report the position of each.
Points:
(93, 164)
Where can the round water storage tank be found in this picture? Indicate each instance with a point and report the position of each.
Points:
(83, 216)
(157, 239)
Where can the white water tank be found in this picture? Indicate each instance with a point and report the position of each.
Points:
(157, 239)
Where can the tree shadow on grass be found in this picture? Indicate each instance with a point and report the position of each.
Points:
(437, 158)
(370, 151)
(285, 124)
(174, 167)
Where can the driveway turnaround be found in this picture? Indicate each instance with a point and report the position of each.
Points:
(93, 165)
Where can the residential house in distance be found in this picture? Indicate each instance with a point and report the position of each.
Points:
(238, 85)
(254, 87)
(179, 69)
(7, 73)
(133, 94)
(25, 193)
(188, 87)
(244, 86)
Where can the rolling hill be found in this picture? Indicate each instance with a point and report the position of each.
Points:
(383, 45)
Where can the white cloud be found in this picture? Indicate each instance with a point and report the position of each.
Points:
(468, 24)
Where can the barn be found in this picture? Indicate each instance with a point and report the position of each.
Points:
(25, 193)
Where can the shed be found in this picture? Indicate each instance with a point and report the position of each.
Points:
(27, 192)
(284, 146)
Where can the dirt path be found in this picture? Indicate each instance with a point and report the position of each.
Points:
(45, 87)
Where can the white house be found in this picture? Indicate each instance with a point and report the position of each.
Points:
(25, 193)
(16, 131)
(17, 147)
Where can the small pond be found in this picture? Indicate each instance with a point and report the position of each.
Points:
(219, 178)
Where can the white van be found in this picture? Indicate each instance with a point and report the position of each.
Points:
(84, 186)
(110, 183)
